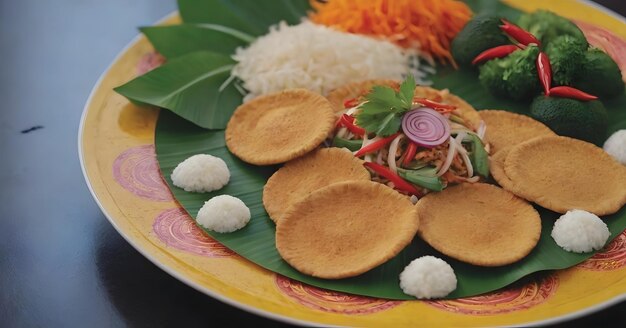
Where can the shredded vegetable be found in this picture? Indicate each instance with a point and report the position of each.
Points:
(429, 25)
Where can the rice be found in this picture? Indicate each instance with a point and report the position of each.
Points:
(428, 277)
(223, 214)
(580, 232)
(320, 59)
(615, 145)
(201, 173)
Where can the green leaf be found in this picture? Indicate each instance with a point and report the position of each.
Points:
(407, 91)
(478, 156)
(177, 40)
(425, 177)
(389, 125)
(382, 124)
(193, 86)
(385, 97)
(249, 16)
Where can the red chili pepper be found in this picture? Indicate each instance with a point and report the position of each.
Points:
(411, 150)
(496, 52)
(572, 93)
(375, 145)
(432, 104)
(545, 72)
(349, 103)
(517, 33)
(398, 182)
(348, 121)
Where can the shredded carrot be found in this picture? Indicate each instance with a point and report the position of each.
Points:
(428, 24)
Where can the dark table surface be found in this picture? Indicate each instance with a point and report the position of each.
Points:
(61, 263)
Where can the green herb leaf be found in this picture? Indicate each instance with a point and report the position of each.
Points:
(194, 86)
(478, 156)
(177, 40)
(407, 91)
(425, 177)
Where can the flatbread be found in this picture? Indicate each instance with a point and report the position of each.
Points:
(506, 129)
(561, 174)
(479, 223)
(346, 229)
(279, 127)
(353, 90)
(304, 175)
(496, 168)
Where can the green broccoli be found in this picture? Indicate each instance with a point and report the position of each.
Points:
(600, 75)
(567, 55)
(514, 76)
(479, 34)
(547, 26)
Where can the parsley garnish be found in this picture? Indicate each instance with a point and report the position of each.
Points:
(381, 114)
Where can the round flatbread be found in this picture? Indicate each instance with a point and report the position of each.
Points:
(304, 175)
(496, 168)
(465, 110)
(506, 129)
(354, 90)
(279, 127)
(479, 223)
(561, 174)
(346, 229)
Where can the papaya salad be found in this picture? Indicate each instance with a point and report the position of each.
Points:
(415, 145)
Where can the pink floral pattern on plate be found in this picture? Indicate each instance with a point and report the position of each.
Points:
(330, 301)
(502, 301)
(177, 229)
(607, 41)
(137, 171)
(611, 257)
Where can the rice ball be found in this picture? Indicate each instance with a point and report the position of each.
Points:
(615, 145)
(201, 173)
(428, 277)
(223, 213)
(580, 232)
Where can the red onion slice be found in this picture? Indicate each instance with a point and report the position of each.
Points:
(426, 127)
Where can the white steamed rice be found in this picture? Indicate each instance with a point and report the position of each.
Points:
(223, 214)
(428, 277)
(580, 232)
(615, 145)
(201, 173)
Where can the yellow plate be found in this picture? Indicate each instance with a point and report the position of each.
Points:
(116, 146)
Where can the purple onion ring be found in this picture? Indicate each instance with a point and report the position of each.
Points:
(426, 127)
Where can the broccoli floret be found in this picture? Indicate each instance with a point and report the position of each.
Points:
(600, 75)
(479, 34)
(547, 26)
(567, 55)
(514, 76)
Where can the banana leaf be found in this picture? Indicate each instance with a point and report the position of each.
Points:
(196, 86)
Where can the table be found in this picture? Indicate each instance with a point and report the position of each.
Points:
(61, 263)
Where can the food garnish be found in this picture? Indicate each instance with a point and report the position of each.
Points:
(513, 76)
(567, 56)
(478, 228)
(426, 127)
(547, 26)
(580, 232)
(545, 72)
(481, 33)
(428, 24)
(571, 93)
(496, 52)
(599, 75)
(428, 277)
(518, 34)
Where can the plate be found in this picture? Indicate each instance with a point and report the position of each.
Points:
(116, 147)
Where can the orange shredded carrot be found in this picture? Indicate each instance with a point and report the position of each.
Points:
(428, 24)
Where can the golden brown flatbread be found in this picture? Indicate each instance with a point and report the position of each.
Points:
(506, 129)
(304, 175)
(279, 127)
(561, 174)
(496, 168)
(478, 223)
(346, 229)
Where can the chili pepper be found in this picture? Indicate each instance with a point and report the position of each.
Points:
(374, 146)
(572, 93)
(349, 103)
(545, 72)
(348, 121)
(411, 150)
(399, 183)
(496, 52)
(517, 33)
(432, 104)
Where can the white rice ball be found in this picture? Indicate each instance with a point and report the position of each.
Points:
(580, 232)
(615, 145)
(224, 213)
(428, 277)
(201, 173)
